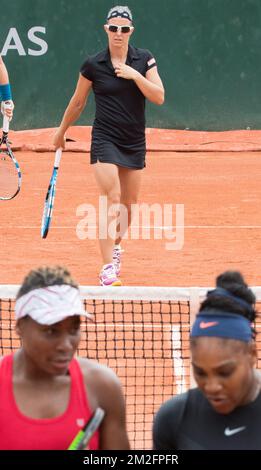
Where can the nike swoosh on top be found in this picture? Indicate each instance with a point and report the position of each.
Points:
(207, 324)
(229, 432)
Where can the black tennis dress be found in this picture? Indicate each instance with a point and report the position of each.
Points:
(118, 133)
(188, 422)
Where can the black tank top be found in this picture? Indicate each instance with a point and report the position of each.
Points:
(188, 422)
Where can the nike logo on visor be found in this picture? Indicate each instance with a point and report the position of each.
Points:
(230, 432)
(207, 324)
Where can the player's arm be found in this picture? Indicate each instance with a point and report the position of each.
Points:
(113, 434)
(3, 73)
(151, 85)
(104, 390)
(73, 110)
(7, 104)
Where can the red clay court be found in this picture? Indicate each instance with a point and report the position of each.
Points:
(215, 175)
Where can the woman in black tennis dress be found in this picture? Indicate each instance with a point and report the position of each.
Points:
(224, 411)
(122, 77)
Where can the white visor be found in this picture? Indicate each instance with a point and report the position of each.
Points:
(52, 304)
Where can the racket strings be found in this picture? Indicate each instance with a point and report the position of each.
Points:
(8, 176)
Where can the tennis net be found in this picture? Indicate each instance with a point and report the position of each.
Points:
(142, 333)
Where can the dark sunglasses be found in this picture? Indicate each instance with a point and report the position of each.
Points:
(113, 28)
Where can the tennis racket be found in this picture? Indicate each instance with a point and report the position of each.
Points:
(10, 173)
(49, 199)
(84, 436)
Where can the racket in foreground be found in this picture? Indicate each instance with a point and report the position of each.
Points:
(10, 173)
(84, 436)
(49, 200)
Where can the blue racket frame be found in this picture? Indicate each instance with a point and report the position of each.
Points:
(50, 196)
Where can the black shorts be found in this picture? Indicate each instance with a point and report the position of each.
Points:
(127, 156)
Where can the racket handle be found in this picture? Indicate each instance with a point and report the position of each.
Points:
(84, 436)
(5, 124)
(6, 105)
(58, 155)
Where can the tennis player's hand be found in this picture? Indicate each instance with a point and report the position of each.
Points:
(7, 108)
(59, 140)
(125, 71)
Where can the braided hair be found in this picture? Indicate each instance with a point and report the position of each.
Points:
(46, 276)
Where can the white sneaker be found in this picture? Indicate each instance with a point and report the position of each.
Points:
(108, 276)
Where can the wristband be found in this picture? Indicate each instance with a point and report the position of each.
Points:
(5, 92)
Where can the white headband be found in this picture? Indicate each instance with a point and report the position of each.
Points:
(52, 304)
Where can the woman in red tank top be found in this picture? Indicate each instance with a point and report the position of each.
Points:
(47, 395)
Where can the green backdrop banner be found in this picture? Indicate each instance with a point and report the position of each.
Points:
(208, 54)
